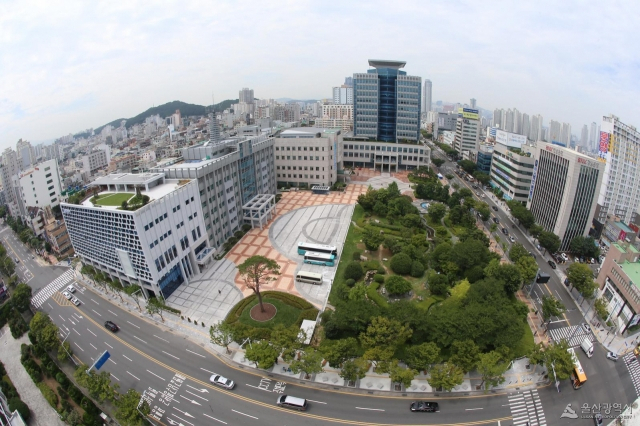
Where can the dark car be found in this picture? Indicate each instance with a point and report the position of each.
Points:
(552, 264)
(424, 406)
(597, 419)
(496, 220)
(505, 231)
(494, 208)
(111, 326)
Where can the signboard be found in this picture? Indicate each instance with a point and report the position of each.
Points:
(100, 361)
(533, 179)
(510, 139)
(603, 147)
(634, 227)
(470, 113)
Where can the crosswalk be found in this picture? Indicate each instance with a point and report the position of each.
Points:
(633, 366)
(526, 408)
(564, 333)
(51, 288)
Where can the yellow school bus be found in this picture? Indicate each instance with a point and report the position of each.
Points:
(578, 377)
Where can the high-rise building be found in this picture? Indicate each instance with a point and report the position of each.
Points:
(40, 186)
(467, 131)
(343, 95)
(564, 191)
(536, 128)
(584, 137)
(593, 137)
(554, 133)
(348, 81)
(473, 103)
(512, 165)
(497, 118)
(336, 116)
(387, 103)
(427, 96)
(619, 149)
(565, 134)
(517, 121)
(526, 125)
(26, 154)
(246, 96)
(8, 169)
(509, 122)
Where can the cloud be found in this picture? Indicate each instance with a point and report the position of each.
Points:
(81, 64)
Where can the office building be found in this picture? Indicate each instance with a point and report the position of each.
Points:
(427, 88)
(619, 150)
(26, 154)
(472, 103)
(387, 103)
(95, 160)
(385, 157)
(564, 191)
(445, 121)
(40, 186)
(8, 169)
(483, 158)
(497, 118)
(343, 95)
(448, 137)
(467, 131)
(245, 96)
(512, 166)
(618, 283)
(308, 156)
(158, 246)
(593, 137)
(336, 117)
(565, 134)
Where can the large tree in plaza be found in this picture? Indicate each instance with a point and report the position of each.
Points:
(256, 271)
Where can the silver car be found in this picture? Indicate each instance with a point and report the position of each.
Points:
(612, 356)
(67, 295)
(223, 382)
(75, 301)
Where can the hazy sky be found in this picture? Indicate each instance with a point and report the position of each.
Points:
(69, 66)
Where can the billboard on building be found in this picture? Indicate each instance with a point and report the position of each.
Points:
(533, 179)
(510, 139)
(470, 113)
(603, 147)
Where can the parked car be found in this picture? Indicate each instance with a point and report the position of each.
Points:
(67, 295)
(505, 231)
(424, 406)
(576, 260)
(223, 382)
(612, 356)
(552, 264)
(71, 289)
(494, 208)
(75, 301)
(111, 326)
(592, 261)
(564, 256)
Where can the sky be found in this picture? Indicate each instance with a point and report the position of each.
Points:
(68, 66)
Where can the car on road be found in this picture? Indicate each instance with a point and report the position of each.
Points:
(17, 260)
(71, 289)
(552, 264)
(512, 239)
(597, 419)
(564, 256)
(111, 326)
(424, 406)
(494, 208)
(612, 356)
(496, 220)
(67, 295)
(592, 261)
(585, 327)
(532, 255)
(288, 401)
(223, 382)
(75, 301)
(505, 231)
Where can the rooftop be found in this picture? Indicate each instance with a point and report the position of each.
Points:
(383, 63)
(306, 131)
(632, 269)
(154, 193)
(127, 179)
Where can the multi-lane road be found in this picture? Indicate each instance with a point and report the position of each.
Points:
(173, 372)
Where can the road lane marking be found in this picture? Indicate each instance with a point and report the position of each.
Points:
(132, 375)
(75, 331)
(197, 396)
(94, 301)
(160, 338)
(195, 353)
(62, 318)
(93, 346)
(140, 339)
(78, 346)
(112, 312)
(133, 324)
(161, 378)
(240, 412)
(91, 332)
(177, 417)
(127, 358)
(50, 305)
(193, 401)
(472, 409)
(114, 377)
(207, 370)
(213, 418)
(370, 409)
(108, 345)
(170, 355)
(317, 402)
(111, 359)
(96, 313)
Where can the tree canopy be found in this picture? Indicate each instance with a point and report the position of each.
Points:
(256, 271)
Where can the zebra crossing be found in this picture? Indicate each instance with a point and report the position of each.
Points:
(633, 366)
(526, 408)
(564, 333)
(51, 288)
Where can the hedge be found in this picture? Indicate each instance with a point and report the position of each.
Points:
(49, 394)
(172, 310)
(235, 313)
(372, 293)
(12, 395)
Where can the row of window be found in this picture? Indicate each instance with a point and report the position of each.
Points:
(169, 255)
(299, 176)
(300, 148)
(300, 158)
(162, 238)
(299, 168)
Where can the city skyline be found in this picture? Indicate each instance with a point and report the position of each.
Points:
(81, 66)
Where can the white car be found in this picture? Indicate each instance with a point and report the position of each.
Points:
(223, 382)
(586, 327)
(67, 295)
(612, 356)
(513, 240)
(71, 289)
(564, 256)
(75, 301)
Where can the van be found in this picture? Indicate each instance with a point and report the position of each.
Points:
(587, 347)
(287, 401)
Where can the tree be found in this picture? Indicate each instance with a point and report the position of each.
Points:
(133, 290)
(549, 241)
(469, 254)
(517, 251)
(535, 230)
(528, 268)
(372, 238)
(117, 287)
(9, 267)
(468, 166)
(483, 211)
(465, 353)
(256, 271)
(354, 369)
(420, 357)
(21, 297)
(401, 264)
(309, 363)
(221, 334)
(581, 277)
(551, 307)
(262, 354)
(395, 284)
(287, 340)
(336, 352)
(436, 212)
(438, 284)
(417, 269)
(384, 333)
(399, 374)
(128, 411)
(437, 161)
(508, 273)
(492, 367)
(584, 247)
(556, 354)
(353, 271)
(600, 306)
(482, 177)
(152, 308)
(446, 376)
(98, 384)
(358, 292)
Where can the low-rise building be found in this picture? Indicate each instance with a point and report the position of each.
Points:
(123, 163)
(382, 156)
(94, 161)
(56, 234)
(40, 186)
(483, 159)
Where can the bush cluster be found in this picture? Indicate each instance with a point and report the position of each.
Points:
(13, 397)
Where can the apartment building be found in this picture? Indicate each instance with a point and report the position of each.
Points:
(564, 191)
(56, 234)
(40, 186)
(467, 132)
(158, 246)
(94, 161)
(123, 163)
(336, 117)
(618, 283)
(308, 156)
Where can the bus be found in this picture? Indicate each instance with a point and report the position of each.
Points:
(309, 277)
(314, 258)
(317, 248)
(578, 378)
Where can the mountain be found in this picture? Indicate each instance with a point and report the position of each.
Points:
(166, 110)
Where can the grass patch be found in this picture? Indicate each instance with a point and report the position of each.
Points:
(287, 315)
(426, 303)
(372, 293)
(526, 344)
(113, 199)
(354, 235)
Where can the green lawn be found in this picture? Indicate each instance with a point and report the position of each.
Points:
(525, 345)
(287, 315)
(114, 199)
(354, 235)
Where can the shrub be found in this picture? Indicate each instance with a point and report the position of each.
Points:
(381, 270)
(33, 369)
(23, 409)
(378, 278)
(372, 293)
(401, 264)
(397, 285)
(354, 271)
(62, 393)
(48, 394)
(371, 265)
(75, 394)
(417, 269)
(25, 352)
(350, 282)
(356, 255)
(62, 379)
(17, 324)
(308, 314)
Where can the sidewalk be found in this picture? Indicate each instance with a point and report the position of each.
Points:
(518, 377)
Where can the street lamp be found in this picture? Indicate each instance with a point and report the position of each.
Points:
(65, 349)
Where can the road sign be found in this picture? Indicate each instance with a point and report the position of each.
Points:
(101, 360)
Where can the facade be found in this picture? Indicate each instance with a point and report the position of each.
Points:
(94, 161)
(123, 163)
(26, 154)
(427, 88)
(229, 173)
(8, 169)
(308, 156)
(55, 232)
(386, 157)
(512, 170)
(40, 186)
(485, 153)
(336, 117)
(343, 95)
(245, 96)
(564, 191)
(618, 282)
(155, 246)
(467, 131)
(448, 137)
(445, 121)
(387, 103)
